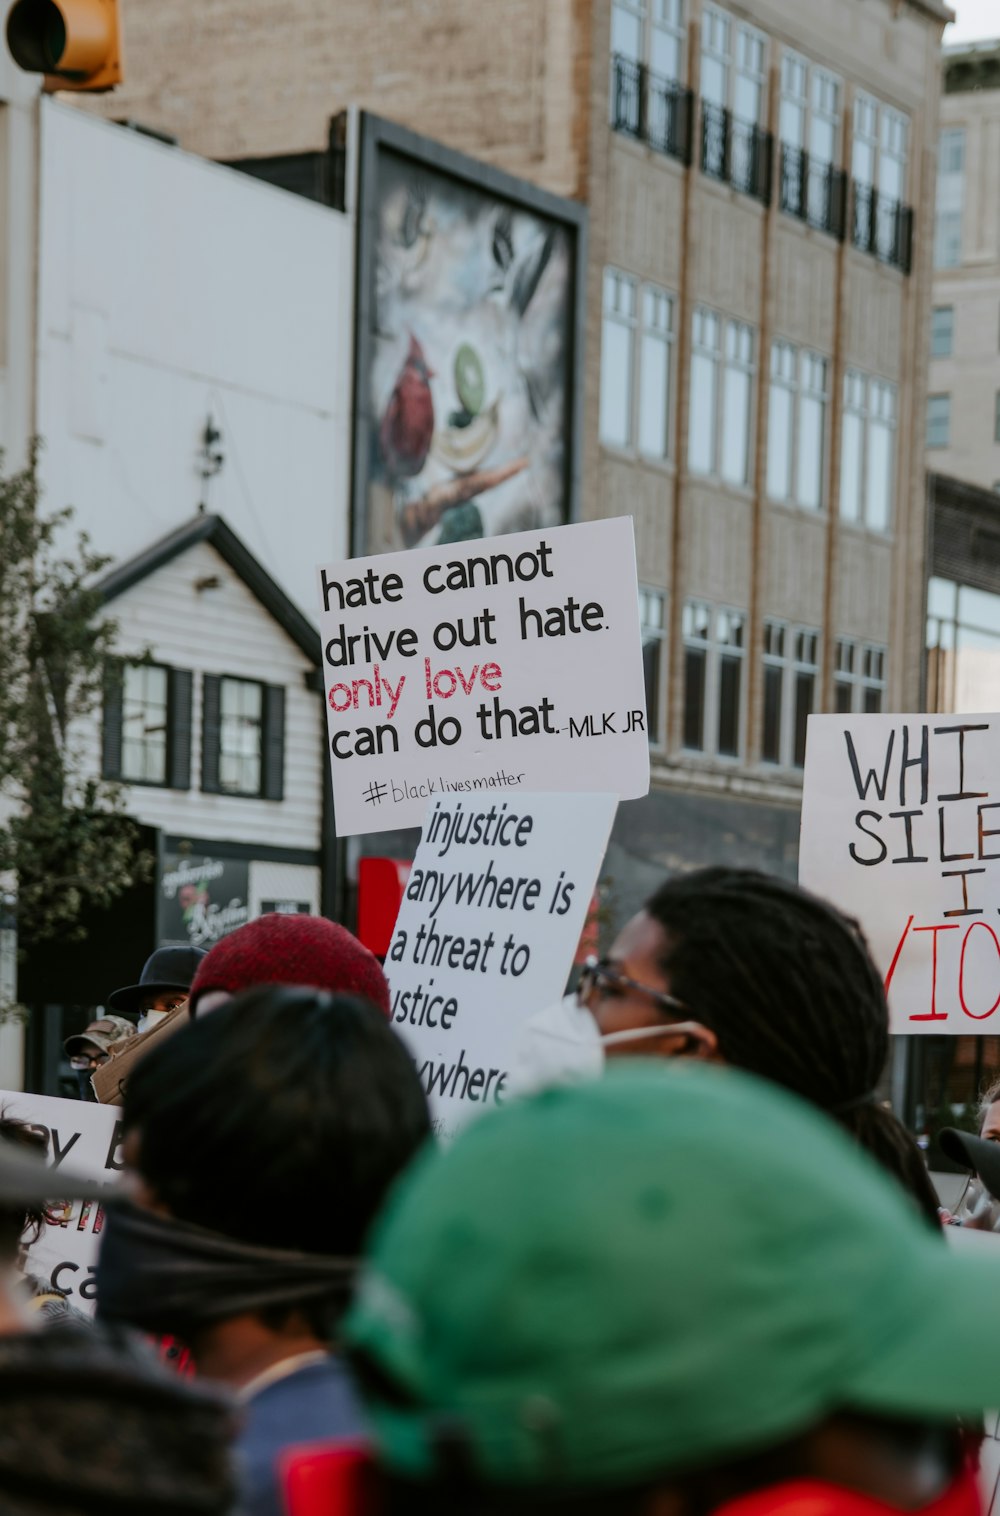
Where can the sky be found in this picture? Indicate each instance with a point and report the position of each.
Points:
(976, 18)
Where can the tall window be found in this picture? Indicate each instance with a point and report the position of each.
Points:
(938, 420)
(963, 647)
(144, 723)
(950, 198)
(719, 422)
(942, 330)
(879, 163)
(652, 622)
(808, 122)
(647, 34)
(791, 671)
(714, 655)
(241, 731)
(734, 79)
(859, 678)
(867, 450)
(635, 400)
(796, 426)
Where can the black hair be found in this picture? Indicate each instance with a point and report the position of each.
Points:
(20, 1225)
(789, 987)
(280, 1119)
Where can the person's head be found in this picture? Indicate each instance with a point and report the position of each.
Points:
(660, 1291)
(164, 984)
(989, 1112)
(88, 1049)
(770, 979)
(280, 949)
(280, 1120)
(21, 1225)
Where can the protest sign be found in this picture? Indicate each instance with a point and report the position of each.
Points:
(85, 1138)
(901, 829)
(514, 664)
(490, 920)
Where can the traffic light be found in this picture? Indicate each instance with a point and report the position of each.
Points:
(76, 44)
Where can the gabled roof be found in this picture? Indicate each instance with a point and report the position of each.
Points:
(234, 552)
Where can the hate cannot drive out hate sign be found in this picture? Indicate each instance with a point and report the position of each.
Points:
(486, 667)
(486, 934)
(901, 830)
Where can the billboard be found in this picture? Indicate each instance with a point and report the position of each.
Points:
(468, 336)
(202, 899)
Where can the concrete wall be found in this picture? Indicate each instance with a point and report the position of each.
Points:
(173, 290)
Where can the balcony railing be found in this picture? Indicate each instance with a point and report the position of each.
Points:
(882, 227)
(650, 108)
(736, 152)
(814, 192)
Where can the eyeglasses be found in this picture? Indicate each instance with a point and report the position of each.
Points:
(88, 1059)
(599, 977)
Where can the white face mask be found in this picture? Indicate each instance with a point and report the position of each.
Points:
(150, 1019)
(562, 1044)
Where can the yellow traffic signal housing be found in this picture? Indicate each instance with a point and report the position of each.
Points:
(76, 44)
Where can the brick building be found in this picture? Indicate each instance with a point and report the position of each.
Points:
(760, 183)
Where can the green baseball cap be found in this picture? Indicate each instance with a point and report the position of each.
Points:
(672, 1265)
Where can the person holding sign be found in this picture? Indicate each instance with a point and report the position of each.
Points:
(736, 967)
(260, 1141)
(591, 1303)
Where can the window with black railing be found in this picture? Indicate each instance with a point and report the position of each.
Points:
(814, 192)
(653, 109)
(882, 227)
(736, 152)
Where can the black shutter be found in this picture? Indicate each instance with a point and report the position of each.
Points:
(210, 690)
(179, 730)
(273, 786)
(111, 733)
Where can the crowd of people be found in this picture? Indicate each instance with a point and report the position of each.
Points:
(693, 1265)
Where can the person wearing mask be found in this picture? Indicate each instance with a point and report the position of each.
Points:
(259, 1142)
(674, 1291)
(732, 966)
(90, 1048)
(164, 984)
(280, 949)
(91, 1422)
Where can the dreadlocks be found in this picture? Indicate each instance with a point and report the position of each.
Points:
(789, 987)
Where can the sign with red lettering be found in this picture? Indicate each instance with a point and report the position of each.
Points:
(901, 830)
(85, 1138)
(491, 916)
(512, 664)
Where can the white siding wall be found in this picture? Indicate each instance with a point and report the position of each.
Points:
(171, 289)
(224, 631)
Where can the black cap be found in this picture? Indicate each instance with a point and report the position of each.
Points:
(169, 968)
(973, 1153)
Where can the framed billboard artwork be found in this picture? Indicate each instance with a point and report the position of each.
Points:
(468, 344)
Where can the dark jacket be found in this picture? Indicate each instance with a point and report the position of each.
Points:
(90, 1422)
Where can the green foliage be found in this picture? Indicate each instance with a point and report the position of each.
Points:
(64, 835)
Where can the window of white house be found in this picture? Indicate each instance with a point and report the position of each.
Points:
(938, 420)
(791, 672)
(867, 449)
(719, 422)
(714, 655)
(950, 198)
(617, 358)
(796, 426)
(652, 623)
(942, 330)
(636, 365)
(241, 733)
(145, 698)
(859, 678)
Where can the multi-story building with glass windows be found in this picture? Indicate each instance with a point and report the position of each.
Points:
(760, 180)
(963, 403)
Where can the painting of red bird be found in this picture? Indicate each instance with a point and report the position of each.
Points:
(407, 424)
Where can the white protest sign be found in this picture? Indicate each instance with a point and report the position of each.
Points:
(510, 664)
(84, 1137)
(490, 920)
(901, 830)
